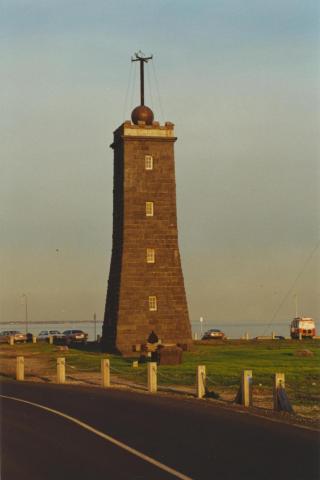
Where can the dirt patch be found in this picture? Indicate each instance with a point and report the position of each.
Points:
(303, 353)
(37, 366)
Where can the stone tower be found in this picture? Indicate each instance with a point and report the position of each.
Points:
(146, 289)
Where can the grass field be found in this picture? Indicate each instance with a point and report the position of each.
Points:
(224, 363)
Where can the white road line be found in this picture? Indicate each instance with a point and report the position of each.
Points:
(133, 451)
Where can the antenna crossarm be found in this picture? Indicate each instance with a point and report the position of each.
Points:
(140, 58)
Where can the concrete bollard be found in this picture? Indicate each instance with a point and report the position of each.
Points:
(50, 339)
(105, 372)
(281, 400)
(195, 336)
(11, 340)
(279, 382)
(61, 370)
(20, 369)
(246, 388)
(247, 336)
(201, 381)
(34, 339)
(152, 377)
(273, 335)
(135, 364)
(300, 335)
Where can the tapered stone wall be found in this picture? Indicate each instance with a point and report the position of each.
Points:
(132, 280)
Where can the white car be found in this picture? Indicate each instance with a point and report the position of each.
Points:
(17, 336)
(55, 334)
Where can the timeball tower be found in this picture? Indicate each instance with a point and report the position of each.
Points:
(146, 289)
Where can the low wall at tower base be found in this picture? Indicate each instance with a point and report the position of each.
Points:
(135, 350)
(169, 355)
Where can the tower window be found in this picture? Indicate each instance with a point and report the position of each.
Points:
(149, 209)
(148, 162)
(151, 255)
(152, 304)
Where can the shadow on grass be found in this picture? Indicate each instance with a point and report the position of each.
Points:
(91, 347)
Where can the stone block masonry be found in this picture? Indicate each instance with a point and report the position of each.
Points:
(144, 296)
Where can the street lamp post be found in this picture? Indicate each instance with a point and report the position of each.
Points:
(95, 325)
(26, 311)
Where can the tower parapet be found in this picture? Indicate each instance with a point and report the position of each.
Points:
(128, 129)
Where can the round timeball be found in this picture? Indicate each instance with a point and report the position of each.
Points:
(142, 114)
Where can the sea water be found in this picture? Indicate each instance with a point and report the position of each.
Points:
(231, 330)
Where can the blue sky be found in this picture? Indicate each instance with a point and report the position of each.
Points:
(240, 81)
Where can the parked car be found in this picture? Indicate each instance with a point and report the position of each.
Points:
(57, 336)
(18, 336)
(213, 333)
(75, 336)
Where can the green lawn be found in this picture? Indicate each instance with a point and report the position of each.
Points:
(224, 364)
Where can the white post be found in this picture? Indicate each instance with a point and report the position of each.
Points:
(20, 368)
(300, 335)
(11, 340)
(273, 335)
(201, 322)
(279, 382)
(201, 381)
(246, 388)
(247, 336)
(34, 339)
(50, 339)
(195, 336)
(61, 370)
(105, 372)
(152, 377)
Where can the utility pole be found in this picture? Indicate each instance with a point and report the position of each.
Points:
(296, 304)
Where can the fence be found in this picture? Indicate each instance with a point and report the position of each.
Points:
(148, 380)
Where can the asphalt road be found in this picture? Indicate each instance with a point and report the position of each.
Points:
(197, 439)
